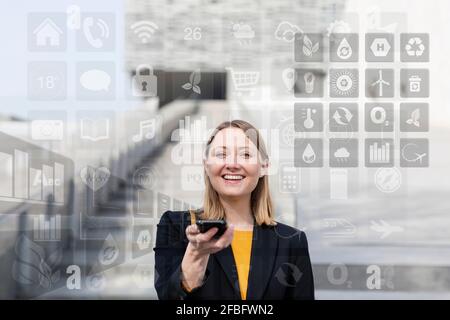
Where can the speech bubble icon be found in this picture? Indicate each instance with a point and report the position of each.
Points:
(95, 80)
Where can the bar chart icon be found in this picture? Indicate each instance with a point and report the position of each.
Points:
(33, 175)
(22, 180)
(47, 229)
(379, 153)
(193, 133)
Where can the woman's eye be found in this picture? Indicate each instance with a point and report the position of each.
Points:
(246, 155)
(220, 155)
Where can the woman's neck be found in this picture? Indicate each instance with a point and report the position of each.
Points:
(238, 212)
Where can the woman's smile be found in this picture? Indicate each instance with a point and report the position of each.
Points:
(233, 179)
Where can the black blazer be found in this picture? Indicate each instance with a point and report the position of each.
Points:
(280, 267)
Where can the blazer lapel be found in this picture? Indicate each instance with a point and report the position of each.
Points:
(226, 260)
(263, 256)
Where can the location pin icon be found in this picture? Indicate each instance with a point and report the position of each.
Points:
(289, 78)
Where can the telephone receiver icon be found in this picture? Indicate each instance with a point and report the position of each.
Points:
(88, 24)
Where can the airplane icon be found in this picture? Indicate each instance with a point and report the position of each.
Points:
(414, 156)
(385, 229)
(419, 157)
(380, 83)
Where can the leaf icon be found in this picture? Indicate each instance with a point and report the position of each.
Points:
(307, 52)
(195, 77)
(315, 48)
(27, 266)
(187, 86)
(197, 89)
(45, 277)
(31, 267)
(415, 115)
(307, 42)
(54, 258)
(36, 252)
(308, 47)
(25, 273)
(56, 276)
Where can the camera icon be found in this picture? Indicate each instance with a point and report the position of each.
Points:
(47, 130)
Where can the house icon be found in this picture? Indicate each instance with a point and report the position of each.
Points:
(47, 34)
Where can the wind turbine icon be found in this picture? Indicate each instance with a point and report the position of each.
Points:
(380, 83)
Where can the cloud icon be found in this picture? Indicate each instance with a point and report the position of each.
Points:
(286, 31)
(342, 153)
(243, 31)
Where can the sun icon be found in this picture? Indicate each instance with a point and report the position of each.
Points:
(343, 83)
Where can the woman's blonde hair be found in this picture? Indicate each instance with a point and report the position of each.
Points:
(261, 201)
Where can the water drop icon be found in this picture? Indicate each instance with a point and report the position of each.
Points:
(309, 156)
(344, 50)
(109, 252)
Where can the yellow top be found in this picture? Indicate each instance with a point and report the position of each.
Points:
(242, 248)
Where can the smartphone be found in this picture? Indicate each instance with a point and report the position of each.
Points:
(205, 225)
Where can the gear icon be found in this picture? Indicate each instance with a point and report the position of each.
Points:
(338, 26)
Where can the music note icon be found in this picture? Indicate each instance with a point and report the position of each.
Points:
(146, 125)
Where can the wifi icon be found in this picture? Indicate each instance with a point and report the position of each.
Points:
(144, 29)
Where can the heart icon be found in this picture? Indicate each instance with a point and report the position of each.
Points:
(95, 178)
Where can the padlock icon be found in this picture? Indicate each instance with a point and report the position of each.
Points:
(144, 83)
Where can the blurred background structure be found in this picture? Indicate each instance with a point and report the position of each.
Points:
(91, 156)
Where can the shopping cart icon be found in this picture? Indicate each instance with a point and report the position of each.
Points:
(244, 81)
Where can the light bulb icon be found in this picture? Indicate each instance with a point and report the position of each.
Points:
(309, 82)
(288, 76)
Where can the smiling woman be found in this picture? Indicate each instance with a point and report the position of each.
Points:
(256, 257)
(236, 163)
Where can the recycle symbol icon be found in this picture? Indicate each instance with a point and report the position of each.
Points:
(415, 47)
(344, 52)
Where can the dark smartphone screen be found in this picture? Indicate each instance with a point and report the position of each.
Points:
(205, 225)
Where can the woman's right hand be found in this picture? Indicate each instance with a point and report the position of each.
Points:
(201, 245)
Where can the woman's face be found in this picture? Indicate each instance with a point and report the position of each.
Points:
(233, 163)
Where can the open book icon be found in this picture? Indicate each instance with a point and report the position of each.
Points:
(94, 129)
